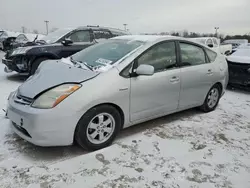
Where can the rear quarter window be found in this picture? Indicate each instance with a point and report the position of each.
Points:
(211, 55)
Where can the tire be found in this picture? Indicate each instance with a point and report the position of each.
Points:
(209, 106)
(87, 136)
(36, 64)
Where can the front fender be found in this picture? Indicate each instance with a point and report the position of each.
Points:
(50, 55)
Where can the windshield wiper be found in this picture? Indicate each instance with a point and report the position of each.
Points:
(80, 62)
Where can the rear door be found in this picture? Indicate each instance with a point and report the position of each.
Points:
(196, 75)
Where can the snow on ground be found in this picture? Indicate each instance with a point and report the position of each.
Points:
(187, 149)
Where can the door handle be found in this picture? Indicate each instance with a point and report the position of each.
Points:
(174, 79)
(209, 71)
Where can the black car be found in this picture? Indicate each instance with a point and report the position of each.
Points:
(56, 45)
(239, 67)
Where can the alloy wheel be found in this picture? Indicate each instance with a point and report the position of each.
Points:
(100, 128)
(213, 97)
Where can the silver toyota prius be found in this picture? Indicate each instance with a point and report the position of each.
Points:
(90, 96)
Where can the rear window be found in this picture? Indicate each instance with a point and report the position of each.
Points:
(211, 55)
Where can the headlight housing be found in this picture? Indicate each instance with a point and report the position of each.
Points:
(54, 96)
(20, 50)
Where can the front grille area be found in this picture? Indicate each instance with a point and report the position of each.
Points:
(22, 130)
(238, 73)
(239, 68)
(23, 100)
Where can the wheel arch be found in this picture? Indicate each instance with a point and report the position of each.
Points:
(118, 108)
(220, 85)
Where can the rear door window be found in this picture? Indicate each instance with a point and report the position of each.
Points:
(192, 54)
(211, 55)
(102, 34)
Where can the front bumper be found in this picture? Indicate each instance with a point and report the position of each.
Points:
(239, 74)
(18, 64)
(237, 78)
(42, 127)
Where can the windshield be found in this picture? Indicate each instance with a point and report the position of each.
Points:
(106, 53)
(56, 35)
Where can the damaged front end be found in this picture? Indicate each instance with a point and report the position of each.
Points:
(239, 73)
(19, 63)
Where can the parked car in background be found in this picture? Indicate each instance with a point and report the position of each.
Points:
(214, 43)
(25, 39)
(239, 67)
(235, 43)
(115, 84)
(6, 38)
(56, 45)
(242, 46)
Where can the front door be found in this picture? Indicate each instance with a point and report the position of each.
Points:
(158, 94)
(197, 75)
(81, 39)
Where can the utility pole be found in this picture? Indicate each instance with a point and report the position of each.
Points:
(23, 29)
(125, 27)
(47, 26)
(216, 31)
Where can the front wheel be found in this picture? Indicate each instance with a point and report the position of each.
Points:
(36, 64)
(98, 127)
(212, 99)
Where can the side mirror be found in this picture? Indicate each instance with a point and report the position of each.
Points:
(67, 42)
(147, 70)
(210, 45)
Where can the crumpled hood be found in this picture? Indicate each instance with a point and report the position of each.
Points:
(52, 73)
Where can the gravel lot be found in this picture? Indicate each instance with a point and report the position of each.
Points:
(187, 149)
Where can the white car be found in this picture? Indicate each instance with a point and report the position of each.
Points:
(214, 43)
(115, 84)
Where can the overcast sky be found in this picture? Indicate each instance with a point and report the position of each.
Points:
(232, 16)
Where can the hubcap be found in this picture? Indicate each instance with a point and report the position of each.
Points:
(100, 128)
(213, 97)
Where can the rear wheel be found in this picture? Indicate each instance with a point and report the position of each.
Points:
(212, 99)
(98, 127)
(36, 64)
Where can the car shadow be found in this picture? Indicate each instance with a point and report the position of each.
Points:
(239, 89)
(17, 78)
(139, 128)
(55, 154)
(19, 146)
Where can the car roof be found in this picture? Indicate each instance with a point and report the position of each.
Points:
(102, 27)
(147, 38)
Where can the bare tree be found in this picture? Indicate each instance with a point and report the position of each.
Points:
(35, 31)
(53, 29)
(185, 33)
(24, 29)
